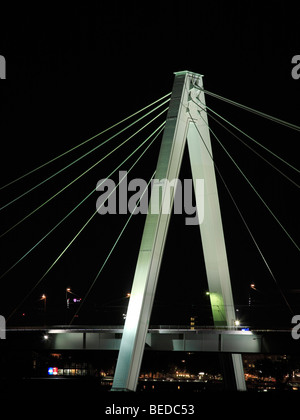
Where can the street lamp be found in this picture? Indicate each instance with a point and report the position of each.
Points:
(68, 290)
(252, 286)
(44, 298)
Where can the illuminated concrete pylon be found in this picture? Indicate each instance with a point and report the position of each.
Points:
(186, 119)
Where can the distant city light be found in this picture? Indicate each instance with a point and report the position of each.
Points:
(52, 371)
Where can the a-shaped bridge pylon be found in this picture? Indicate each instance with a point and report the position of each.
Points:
(186, 122)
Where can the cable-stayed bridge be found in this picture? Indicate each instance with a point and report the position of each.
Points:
(187, 118)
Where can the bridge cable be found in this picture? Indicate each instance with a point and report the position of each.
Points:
(258, 195)
(244, 222)
(251, 185)
(249, 137)
(81, 157)
(250, 148)
(82, 174)
(111, 251)
(84, 142)
(160, 128)
(252, 110)
(78, 205)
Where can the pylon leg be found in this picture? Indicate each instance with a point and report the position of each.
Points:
(152, 246)
(212, 236)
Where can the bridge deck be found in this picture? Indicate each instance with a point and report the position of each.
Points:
(158, 338)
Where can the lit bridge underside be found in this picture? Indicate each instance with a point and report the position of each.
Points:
(158, 339)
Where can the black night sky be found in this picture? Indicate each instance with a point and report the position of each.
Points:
(70, 75)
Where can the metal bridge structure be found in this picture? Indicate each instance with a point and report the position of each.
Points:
(186, 125)
(158, 338)
(186, 119)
